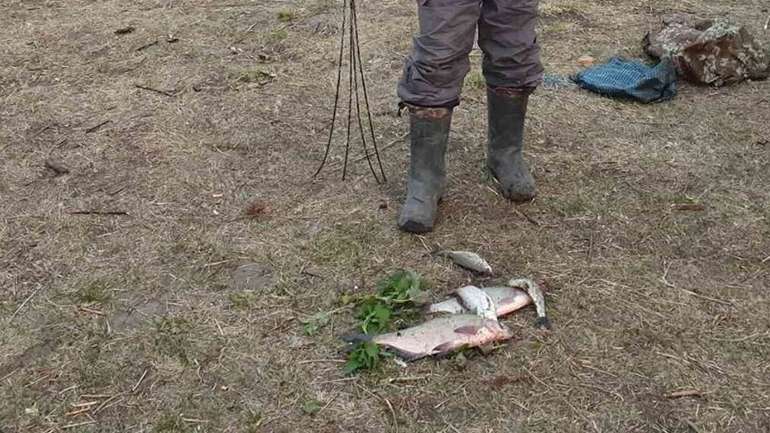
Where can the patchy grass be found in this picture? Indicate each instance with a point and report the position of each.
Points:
(172, 338)
(475, 80)
(243, 300)
(93, 291)
(287, 16)
(169, 423)
(650, 231)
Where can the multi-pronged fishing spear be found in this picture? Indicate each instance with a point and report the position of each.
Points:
(355, 74)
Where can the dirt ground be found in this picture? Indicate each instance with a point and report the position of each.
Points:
(120, 303)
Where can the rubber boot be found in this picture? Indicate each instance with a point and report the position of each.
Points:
(429, 132)
(507, 110)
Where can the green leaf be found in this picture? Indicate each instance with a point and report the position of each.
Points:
(311, 407)
(375, 316)
(401, 287)
(365, 356)
(351, 366)
(372, 350)
(315, 323)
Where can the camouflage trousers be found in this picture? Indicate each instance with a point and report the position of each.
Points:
(435, 69)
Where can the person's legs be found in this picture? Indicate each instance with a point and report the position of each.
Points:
(508, 39)
(430, 87)
(512, 70)
(434, 71)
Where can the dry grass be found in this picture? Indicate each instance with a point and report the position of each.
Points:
(133, 323)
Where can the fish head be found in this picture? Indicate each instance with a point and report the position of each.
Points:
(478, 301)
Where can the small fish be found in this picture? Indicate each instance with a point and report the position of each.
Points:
(468, 260)
(506, 301)
(477, 302)
(440, 336)
(536, 294)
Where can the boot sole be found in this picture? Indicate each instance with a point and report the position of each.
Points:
(511, 197)
(415, 227)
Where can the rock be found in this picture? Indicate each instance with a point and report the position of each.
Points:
(715, 52)
(253, 276)
(56, 166)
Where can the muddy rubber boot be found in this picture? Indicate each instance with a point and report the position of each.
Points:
(429, 132)
(507, 111)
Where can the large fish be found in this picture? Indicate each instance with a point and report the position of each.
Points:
(468, 260)
(440, 336)
(505, 299)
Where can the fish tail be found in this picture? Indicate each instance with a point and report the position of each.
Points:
(436, 250)
(356, 338)
(543, 323)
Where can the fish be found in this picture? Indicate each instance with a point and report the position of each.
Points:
(534, 292)
(505, 299)
(467, 260)
(439, 336)
(477, 302)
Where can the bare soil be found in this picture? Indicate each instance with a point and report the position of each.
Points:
(125, 306)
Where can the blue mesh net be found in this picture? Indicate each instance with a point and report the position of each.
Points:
(630, 79)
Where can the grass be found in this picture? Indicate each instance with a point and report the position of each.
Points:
(649, 294)
(172, 338)
(243, 300)
(475, 80)
(169, 423)
(93, 291)
(287, 16)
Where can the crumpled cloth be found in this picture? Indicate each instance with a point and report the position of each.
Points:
(631, 80)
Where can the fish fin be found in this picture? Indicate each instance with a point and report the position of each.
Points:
(356, 338)
(467, 330)
(436, 250)
(428, 309)
(443, 348)
(543, 323)
(521, 283)
(444, 307)
(403, 354)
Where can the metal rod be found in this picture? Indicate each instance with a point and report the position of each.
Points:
(337, 94)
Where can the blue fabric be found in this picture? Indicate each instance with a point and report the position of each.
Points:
(629, 79)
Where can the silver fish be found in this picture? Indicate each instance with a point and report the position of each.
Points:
(477, 302)
(505, 299)
(468, 260)
(534, 292)
(442, 335)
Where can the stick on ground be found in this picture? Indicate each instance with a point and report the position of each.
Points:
(150, 89)
(25, 302)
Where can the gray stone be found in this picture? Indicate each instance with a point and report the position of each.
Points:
(714, 52)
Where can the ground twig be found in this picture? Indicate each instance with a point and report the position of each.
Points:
(97, 212)
(94, 128)
(684, 393)
(145, 46)
(25, 302)
(150, 89)
(390, 406)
